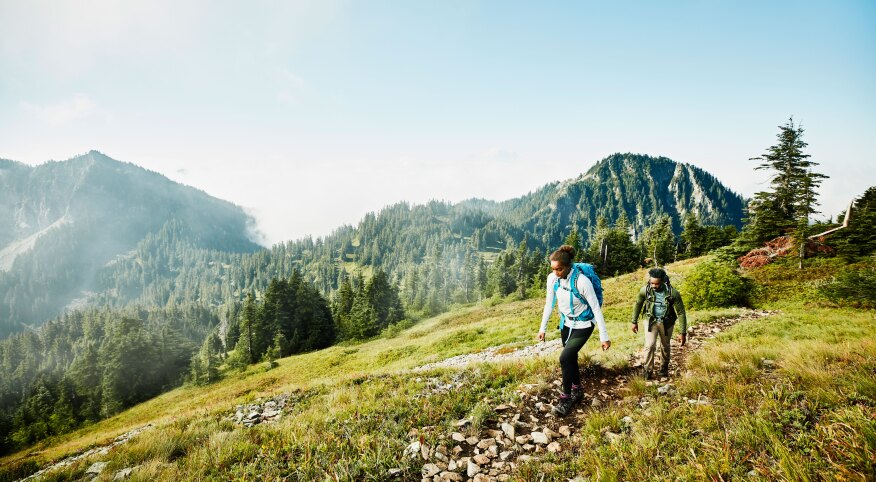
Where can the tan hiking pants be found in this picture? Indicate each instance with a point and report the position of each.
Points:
(665, 335)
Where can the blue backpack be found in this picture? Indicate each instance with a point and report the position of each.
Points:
(586, 270)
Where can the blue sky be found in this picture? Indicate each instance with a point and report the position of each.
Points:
(312, 113)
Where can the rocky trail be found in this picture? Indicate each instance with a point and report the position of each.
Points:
(96, 468)
(525, 430)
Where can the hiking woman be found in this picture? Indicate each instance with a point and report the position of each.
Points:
(579, 308)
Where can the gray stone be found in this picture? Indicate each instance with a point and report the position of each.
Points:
(612, 437)
(413, 450)
(481, 459)
(123, 474)
(96, 468)
(458, 437)
(540, 438)
(522, 439)
(486, 443)
(472, 440)
(430, 469)
(504, 455)
(452, 476)
(472, 469)
(596, 403)
(554, 447)
(395, 472)
(508, 429)
(666, 389)
(565, 431)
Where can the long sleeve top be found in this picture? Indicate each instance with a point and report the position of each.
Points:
(675, 312)
(585, 287)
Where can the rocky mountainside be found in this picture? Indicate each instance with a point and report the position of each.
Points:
(639, 186)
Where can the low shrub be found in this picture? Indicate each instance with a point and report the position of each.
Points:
(855, 286)
(714, 284)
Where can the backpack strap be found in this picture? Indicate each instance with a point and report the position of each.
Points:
(573, 293)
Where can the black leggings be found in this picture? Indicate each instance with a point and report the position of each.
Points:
(569, 357)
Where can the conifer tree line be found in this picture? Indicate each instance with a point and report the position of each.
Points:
(90, 364)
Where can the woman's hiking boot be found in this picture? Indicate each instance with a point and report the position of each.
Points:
(564, 405)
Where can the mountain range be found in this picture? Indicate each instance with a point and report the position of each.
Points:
(93, 230)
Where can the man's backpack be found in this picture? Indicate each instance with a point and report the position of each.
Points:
(588, 271)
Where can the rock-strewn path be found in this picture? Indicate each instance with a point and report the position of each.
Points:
(97, 467)
(527, 429)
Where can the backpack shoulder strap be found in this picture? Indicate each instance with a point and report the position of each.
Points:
(573, 282)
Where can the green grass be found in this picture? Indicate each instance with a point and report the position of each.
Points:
(808, 414)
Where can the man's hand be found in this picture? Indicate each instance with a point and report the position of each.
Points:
(682, 338)
(541, 336)
(606, 345)
(635, 327)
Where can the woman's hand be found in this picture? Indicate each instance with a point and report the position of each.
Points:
(606, 345)
(541, 336)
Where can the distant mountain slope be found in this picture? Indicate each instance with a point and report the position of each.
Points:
(61, 222)
(640, 186)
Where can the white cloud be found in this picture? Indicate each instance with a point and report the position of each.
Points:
(60, 113)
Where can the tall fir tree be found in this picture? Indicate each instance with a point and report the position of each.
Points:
(792, 199)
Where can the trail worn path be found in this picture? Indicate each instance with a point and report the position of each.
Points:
(527, 429)
(97, 467)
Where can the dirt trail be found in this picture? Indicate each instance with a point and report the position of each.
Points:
(525, 430)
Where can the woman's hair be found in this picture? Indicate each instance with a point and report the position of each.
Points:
(564, 255)
(658, 273)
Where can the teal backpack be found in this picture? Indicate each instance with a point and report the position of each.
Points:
(586, 270)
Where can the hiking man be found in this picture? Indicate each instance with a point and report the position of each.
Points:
(661, 304)
(571, 285)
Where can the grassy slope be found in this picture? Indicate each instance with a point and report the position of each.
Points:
(810, 417)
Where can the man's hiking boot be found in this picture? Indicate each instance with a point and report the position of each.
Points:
(646, 374)
(564, 406)
(664, 372)
(577, 394)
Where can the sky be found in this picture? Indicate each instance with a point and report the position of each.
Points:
(310, 114)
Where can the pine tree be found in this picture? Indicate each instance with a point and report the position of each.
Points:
(574, 240)
(792, 198)
(859, 238)
(250, 330)
(693, 237)
(658, 242)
